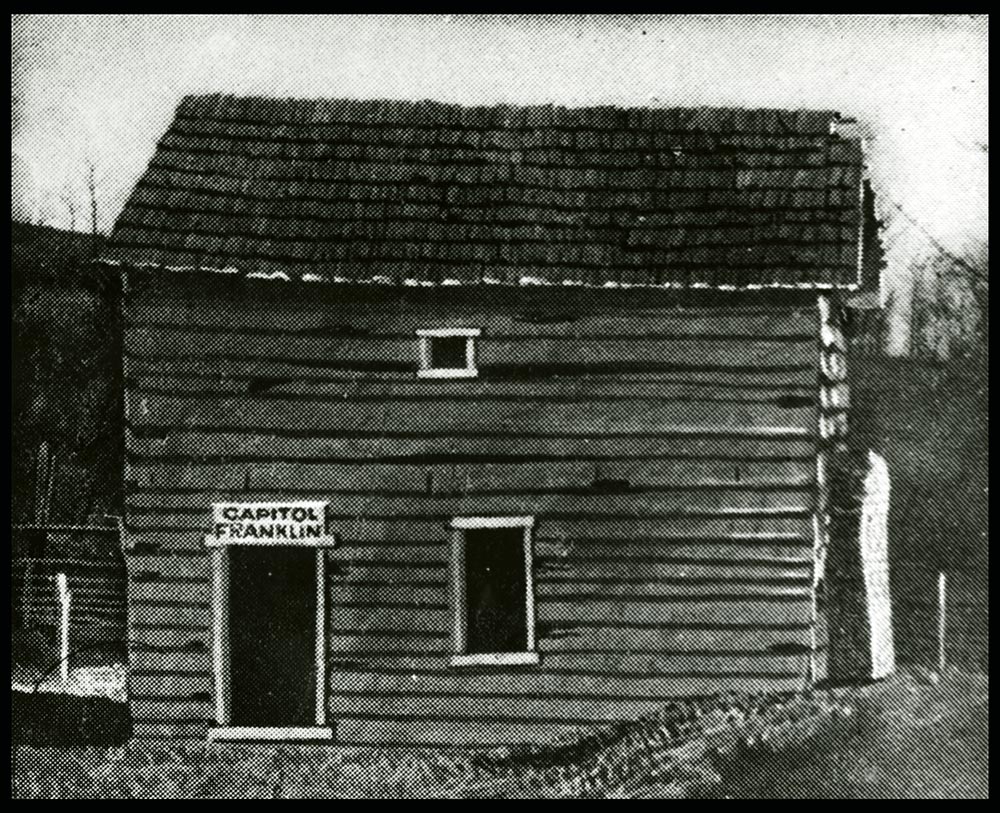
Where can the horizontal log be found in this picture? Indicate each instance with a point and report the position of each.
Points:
(358, 642)
(548, 382)
(535, 684)
(170, 731)
(185, 534)
(594, 664)
(392, 317)
(168, 614)
(678, 611)
(342, 618)
(618, 559)
(711, 589)
(347, 351)
(526, 418)
(187, 444)
(181, 661)
(559, 553)
(750, 388)
(681, 588)
(191, 639)
(752, 637)
(387, 593)
(469, 478)
(179, 686)
(164, 710)
(446, 732)
(556, 708)
(185, 591)
(702, 501)
(405, 554)
(654, 569)
(684, 611)
(155, 568)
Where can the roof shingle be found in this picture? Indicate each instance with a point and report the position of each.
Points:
(429, 193)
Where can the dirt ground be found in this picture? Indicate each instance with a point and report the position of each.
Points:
(913, 736)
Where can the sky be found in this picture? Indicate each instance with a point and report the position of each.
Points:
(99, 90)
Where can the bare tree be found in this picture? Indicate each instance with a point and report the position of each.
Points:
(91, 186)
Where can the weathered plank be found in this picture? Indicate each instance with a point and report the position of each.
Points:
(515, 417)
(700, 501)
(720, 588)
(515, 706)
(630, 590)
(163, 710)
(185, 533)
(258, 375)
(751, 388)
(536, 684)
(170, 685)
(394, 318)
(170, 661)
(231, 447)
(445, 732)
(560, 637)
(655, 569)
(400, 642)
(364, 616)
(170, 731)
(168, 614)
(735, 551)
(595, 664)
(191, 639)
(468, 478)
(387, 593)
(743, 352)
(183, 591)
(154, 568)
(682, 610)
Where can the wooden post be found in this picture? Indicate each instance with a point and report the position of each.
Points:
(64, 600)
(942, 619)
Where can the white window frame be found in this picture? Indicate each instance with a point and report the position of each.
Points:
(459, 599)
(424, 338)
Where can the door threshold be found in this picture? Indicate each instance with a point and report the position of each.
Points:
(270, 734)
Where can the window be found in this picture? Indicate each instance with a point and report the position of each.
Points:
(447, 353)
(492, 591)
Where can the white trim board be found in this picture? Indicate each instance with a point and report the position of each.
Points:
(492, 522)
(269, 733)
(445, 332)
(496, 659)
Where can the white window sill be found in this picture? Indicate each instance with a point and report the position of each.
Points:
(270, 733)
(496, 659)
(441, 372)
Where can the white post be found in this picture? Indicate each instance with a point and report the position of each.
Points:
(942, 618)
(64, 600)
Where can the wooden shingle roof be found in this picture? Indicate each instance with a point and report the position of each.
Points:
(422, 193)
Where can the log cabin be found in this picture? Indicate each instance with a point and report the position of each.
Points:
(473, 425)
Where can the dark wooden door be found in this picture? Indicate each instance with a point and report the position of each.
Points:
(272, 636)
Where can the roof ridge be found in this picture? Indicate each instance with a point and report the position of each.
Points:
(318, 110)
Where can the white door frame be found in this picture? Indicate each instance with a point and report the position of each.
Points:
(221, 662)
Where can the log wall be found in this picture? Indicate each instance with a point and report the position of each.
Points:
(668, 454)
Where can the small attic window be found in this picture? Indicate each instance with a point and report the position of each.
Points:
(447, 353)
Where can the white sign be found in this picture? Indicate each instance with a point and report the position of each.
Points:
(268, 523)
